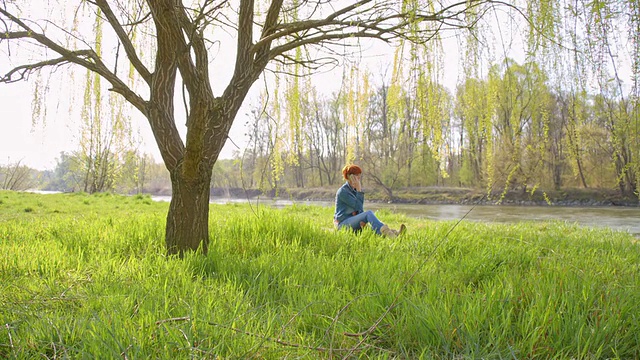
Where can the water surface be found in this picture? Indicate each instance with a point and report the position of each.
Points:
(614, 217)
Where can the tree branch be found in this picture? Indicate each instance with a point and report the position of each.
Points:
(279, 341)
(124, 39)
(382, 27)
(193, 73)
(86, 58)
(24, 70)
(262, 48)
(204, 14)
(246, 71)
(280, 50)
(170, 47)
(245, 39)
(196, 79)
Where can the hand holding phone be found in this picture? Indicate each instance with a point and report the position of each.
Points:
(355, 182)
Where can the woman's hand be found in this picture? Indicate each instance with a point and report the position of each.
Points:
(355, 182)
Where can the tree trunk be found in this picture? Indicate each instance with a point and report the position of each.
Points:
(188, 217)
(581, 172)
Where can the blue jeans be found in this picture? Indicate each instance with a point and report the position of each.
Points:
(368, 217)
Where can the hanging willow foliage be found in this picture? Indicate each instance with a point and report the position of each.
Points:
(364, 94)
(505, 109)
(277, 166)
(294, 111)
(38, 109)
(349, 115)
(604, 43)
(502, 138)
(106, 132)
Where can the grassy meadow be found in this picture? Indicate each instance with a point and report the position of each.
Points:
(86, 276)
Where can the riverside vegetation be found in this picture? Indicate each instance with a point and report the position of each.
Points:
(86, 276)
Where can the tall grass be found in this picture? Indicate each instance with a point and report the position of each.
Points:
(85, 276)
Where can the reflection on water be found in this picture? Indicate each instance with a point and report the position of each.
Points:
(617, 218)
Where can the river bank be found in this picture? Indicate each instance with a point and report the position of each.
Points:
(447, 195)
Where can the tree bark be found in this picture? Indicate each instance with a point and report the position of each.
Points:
(188, 218)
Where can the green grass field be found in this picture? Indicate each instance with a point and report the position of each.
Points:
(85, 276)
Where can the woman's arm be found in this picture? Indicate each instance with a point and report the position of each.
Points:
(352, 200)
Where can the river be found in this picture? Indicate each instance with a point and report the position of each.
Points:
(616, 218)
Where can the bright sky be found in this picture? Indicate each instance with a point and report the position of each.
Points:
(35, 146)
(39, 145)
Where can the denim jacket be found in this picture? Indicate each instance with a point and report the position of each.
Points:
(349, 202)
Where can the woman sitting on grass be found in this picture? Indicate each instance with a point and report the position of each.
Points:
(350, 206)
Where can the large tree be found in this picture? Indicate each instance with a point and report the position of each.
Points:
(181, 37)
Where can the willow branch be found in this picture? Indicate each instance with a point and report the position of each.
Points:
(86, 58)
(204, 14)
(279, 50)
(23, 71)
(362, 29)
(196, 79)
(375, 22)
(188, 69)
(245, 38)
(124, 39)
(262, 47)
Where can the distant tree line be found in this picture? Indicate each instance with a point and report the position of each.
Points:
(509, 131)
(17, 177)
(132, 174)
(73, 172)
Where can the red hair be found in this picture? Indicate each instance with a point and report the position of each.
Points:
(351, 169)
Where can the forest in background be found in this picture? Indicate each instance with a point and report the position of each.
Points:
(557, 118)
(513, 131)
